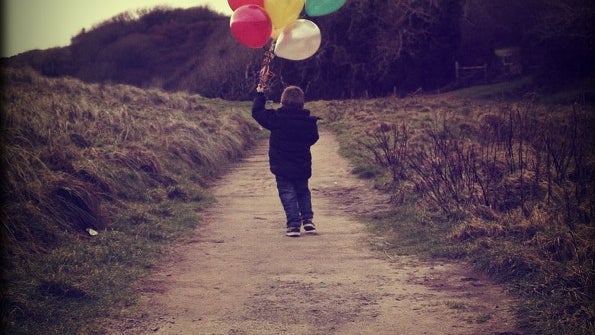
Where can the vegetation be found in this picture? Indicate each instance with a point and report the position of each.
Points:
(78, 159)
(509, 180)
(370, 48)
(170, 49)
(508, 186)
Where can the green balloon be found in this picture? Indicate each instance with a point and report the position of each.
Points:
(323, 7)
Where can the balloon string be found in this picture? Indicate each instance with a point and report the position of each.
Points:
(265, 73)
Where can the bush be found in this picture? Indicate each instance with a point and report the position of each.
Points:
(509, 184)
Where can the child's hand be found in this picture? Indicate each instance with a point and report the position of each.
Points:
(265, 76)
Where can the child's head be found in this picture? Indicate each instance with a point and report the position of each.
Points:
(292, 96)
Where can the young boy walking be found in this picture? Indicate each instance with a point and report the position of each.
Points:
(293, 132)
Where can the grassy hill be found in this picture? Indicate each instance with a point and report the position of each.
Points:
(79, 158)
(508, 185)
(188, 50)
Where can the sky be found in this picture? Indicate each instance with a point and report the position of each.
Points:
(44, 24)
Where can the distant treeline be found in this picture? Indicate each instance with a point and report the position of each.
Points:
(369, 48)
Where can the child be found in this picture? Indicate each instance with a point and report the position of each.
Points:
(293, 132)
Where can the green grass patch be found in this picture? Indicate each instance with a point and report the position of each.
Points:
(483, 318)
(508, 90)
(410, 231)
(64, 290)
(581, 92)
(456, 305)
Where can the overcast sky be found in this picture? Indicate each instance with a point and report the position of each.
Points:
(43, 24)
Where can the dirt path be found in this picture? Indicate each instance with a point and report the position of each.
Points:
(239, 274)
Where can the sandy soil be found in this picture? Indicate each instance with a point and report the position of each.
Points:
(239, 273)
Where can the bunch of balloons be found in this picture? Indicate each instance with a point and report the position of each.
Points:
(254, 22)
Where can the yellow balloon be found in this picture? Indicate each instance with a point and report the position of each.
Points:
(283, 12)
(276, 32)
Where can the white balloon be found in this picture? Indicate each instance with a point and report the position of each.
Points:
(298, 40)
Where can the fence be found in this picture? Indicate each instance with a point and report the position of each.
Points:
(471, 74)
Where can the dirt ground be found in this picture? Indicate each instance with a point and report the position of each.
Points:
(239, 273)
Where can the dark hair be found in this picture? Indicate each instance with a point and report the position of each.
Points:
(293, 96)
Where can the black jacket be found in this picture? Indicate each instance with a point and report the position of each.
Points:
(293, 131)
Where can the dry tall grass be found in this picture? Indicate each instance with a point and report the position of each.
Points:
(110, 158)
(69, 146)
(517, 179)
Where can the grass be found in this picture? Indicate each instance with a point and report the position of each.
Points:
(456, 305)
(132, 164)
(135, 166)
(579, 92)
(417, 233)
(482, 318)
(509, 90)
(535, 233)
(89, 279)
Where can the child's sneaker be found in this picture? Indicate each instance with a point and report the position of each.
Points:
(293, 231)
(309, 227)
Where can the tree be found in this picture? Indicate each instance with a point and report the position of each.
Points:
(372, 47)
(563, 38)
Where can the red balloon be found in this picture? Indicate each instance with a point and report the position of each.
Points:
(235, 4)
(251, 26)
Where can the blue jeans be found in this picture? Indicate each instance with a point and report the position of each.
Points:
(296, 200)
